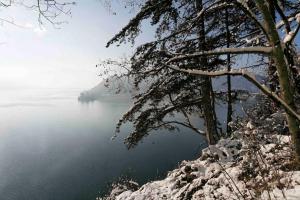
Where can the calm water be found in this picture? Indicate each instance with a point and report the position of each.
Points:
(55, 148)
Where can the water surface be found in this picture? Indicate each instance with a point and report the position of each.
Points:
(54, 148)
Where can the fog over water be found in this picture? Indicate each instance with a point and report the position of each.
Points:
(53, 147)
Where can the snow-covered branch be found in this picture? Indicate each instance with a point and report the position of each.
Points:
(290, 19)
(246, 75)
(245, 50)
(289, 38)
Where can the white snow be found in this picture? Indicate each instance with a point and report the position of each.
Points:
(298, 18)
(289, 194)
(249, 165)
(289, 37)
(249, 125)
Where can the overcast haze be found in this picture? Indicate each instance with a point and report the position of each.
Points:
(45, 57)
(35, 57)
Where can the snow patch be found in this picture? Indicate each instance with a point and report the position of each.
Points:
(252, 164)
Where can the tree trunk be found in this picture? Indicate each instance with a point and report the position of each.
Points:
(208, 111)
(273, 78)
(229, 97)
(206, 86)
(283, 74)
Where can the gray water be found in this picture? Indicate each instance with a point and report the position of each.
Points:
(54, 148)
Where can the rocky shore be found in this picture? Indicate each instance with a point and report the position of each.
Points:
(256, 162)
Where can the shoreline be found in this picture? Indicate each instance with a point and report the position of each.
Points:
(252, 164)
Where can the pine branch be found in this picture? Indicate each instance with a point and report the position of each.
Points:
(249, 77)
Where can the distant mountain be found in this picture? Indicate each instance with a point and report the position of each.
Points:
(238, 83)
(111, 89)
(122, 89)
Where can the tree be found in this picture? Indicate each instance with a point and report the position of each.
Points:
(229, 95)
(169, 91)
(276, 49)
(186, 37)
(206, 85)
(47, 10)
(173, 53)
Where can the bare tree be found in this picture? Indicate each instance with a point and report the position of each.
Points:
(49, 11)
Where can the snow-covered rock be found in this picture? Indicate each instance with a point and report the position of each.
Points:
(249, 165)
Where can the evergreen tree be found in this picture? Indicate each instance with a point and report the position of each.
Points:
(192, 40)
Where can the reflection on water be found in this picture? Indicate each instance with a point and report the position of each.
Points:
(24, 104)
(52, 147)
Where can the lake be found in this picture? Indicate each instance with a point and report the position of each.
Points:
(53, 147)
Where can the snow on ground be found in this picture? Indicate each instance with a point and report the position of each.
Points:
(252, 164)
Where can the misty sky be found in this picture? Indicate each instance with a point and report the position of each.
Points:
(46, 57)
(35, 57)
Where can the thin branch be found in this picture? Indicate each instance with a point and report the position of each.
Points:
(290, 19)
(6, 4)
(249, 77)
(185, 125)
(283, 17)
(251, 15)
(293, 34)
(3, 21)
(189, 123)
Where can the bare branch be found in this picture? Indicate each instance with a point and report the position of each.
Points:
(8, 4)
(12, 22)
